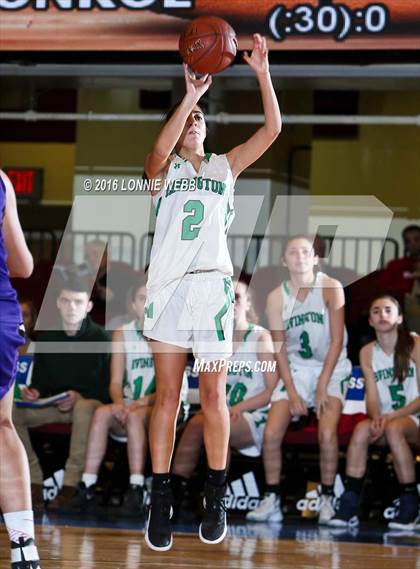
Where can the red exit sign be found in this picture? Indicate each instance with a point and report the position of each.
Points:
(27, 182)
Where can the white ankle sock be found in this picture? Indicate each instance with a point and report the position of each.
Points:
(137, 480)
(89, 479)
(21, 525)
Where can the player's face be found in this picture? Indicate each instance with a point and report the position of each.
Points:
(194, 131)
(242, 304)
(383, 315)
(140, 302)
(299, 256)
(73, 306)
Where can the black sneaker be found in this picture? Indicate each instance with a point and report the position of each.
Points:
(82, 501)
(213, 528)
(158, 534)
(133, 502)
(24, 547)
(408, 513)
(347, 512)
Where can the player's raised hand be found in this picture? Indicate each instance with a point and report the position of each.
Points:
(258, 59)
(196, 87)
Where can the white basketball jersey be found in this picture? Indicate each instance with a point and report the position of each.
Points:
(244, 382)
(392, 394)
(139, 378)
(194, 212)
(307, 326)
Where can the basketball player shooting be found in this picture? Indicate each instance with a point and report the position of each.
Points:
(190, 295)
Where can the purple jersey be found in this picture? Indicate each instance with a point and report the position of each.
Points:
(11, 332)
(9, 307)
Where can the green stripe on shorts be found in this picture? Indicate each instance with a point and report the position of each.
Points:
(230, 297)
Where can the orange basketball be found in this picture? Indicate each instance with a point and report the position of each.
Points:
(208, 44)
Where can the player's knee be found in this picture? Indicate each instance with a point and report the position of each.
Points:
(136, 417)
(168, 399)
(361, 433)
(327, 436)
(393, 431)
(212, 400)
(271, 437)
(102, 414)
(6, 422)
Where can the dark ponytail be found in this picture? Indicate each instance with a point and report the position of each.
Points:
(404, 345)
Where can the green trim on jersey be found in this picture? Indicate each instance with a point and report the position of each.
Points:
(138, 329)
(207, 156)
(158, 206)
(230, 297)
(148, 311)
(248, 332)
(230, 211)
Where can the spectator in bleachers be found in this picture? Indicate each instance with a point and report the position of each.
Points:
(400, 275)
(391, 368)
(306, 317)
(113, 280)
(248, 393)
(84, 375)
(29, 315)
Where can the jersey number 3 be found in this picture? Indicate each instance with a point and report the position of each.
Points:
(306, 350)
(196, 210)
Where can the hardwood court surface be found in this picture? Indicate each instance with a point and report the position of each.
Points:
(93, 548)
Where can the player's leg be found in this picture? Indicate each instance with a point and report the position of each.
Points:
(216, 428)
(189, 446)
(400, 434)
(277, 422)
(169, 363)
(356, 462)
(186, 457)
(102, 422)
(24, 420)
(137, 444)
(15, 491)
(328, 443)
(240, 433)
(81, 419)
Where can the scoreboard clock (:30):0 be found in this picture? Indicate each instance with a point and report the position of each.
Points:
(336, 20)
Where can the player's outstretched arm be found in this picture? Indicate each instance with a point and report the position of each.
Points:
(168, 137)
(19, 258)
(247, 153)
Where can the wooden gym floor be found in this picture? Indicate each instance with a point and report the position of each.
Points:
(296, 545)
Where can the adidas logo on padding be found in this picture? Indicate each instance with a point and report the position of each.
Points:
(243, 493)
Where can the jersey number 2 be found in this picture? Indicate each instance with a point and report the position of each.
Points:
(196, 209)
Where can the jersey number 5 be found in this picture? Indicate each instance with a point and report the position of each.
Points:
(196, 209)
(397, 396)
